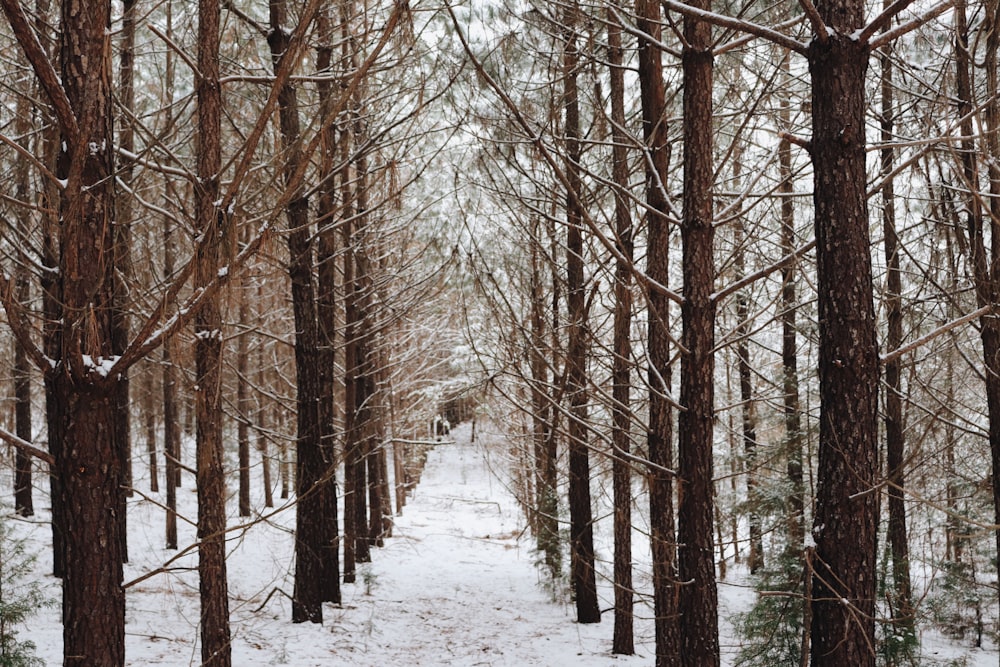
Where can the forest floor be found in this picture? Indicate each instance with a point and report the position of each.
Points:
(457, 584)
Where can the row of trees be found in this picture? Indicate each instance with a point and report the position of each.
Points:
(702, 227)
(194, 183)
(669, 217)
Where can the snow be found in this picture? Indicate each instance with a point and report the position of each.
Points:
(456, 584)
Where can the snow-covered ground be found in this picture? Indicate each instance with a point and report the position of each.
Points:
(455, 585)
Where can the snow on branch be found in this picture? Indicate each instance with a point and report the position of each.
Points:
(26, 447)
(737, 24)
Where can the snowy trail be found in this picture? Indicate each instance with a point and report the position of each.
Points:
(456, 585)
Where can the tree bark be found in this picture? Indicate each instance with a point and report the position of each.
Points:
(845, 522)
(88, 461)
(583, 576)
(698, 598)
(311, 549)
(621, 413)
(659, 439)
(214, 227)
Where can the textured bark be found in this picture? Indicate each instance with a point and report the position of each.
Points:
(983, 224)
(311, 549)
(88, 463)
(845, 523)
(621, 415)
(212, 225)
(659, 437)
(326, 313)
(582, 575)
(698, 598)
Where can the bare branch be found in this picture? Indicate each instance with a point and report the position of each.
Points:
(901, 30)
(27, 447)
(767, 270)
(46, 73)
(740, 25)
(928, 337)
(883, 19)
(822, 33)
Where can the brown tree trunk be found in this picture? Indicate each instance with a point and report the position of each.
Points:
(659, 439)
(88, 462)
(621, 413)
(900, 604)
(150, 416)
(171, 428)
(845, 523)
(213, 226)
(789, 344)
(23, 495)
(698, 598)
(583, 576)
(326, 313)
(243, 406)
(311, 549)
(546, 494)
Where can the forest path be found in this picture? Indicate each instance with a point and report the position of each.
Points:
(457, 584)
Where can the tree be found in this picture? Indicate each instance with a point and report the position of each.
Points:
(845, 522)
(623, 641)
(697, 600)
(658, 439)
(81, 394)
(214, 225)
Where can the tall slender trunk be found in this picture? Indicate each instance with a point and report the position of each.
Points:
(243, 405)
(311, 549)
(901, 605)
(583, 576)
(171, 429)
(845, 523)
(659, 439)
(23, 495)
(748, 421)
(123, 258)
(546, 494)
(698, 598)
(795, 529)
(213, 227)
(326, 313)
(621, 414)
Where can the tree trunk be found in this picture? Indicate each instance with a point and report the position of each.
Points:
(88, 461)
(621, 414)
(243, 406)
(311, 549)
(171, 428)
(582, 576)
(659, 439)
(23, 494)
(698, 598)
(546, 494)
(213, 227)
(900, 604)
(789, 345)
(326, 313)
(845, 524)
